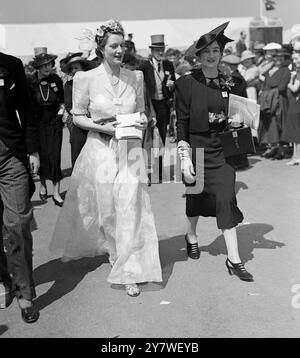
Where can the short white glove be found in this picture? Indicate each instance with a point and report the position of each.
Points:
(186, 165)
(187, 169)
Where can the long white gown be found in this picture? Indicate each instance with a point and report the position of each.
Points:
(107, 208)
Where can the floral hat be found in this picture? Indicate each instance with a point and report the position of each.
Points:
(90, 40)
(111, 26)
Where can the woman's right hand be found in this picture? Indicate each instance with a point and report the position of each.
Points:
(187, 169)
(109, 127)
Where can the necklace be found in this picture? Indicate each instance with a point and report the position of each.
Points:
(45, 99)
(114, 80)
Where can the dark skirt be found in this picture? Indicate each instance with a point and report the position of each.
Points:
(268, 130)
(77, 140)
(50, 135)
(292, 129)
(218, 197)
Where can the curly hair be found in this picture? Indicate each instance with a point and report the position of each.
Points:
(103, 33)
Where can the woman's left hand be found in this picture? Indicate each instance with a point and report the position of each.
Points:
(235, 121)
(142, 122)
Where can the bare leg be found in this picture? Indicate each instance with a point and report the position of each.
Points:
(56, 189)
(191, 228)
(297, 151)
(43, 186)
(231, 244)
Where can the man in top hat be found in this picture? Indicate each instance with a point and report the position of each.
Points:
(19, 146)
(159, 76)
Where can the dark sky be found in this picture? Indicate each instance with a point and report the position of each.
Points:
(36, 11)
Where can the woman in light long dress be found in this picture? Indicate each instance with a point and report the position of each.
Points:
(107, 208)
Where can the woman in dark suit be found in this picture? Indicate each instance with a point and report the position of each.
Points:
(201, 106)
(48, 97)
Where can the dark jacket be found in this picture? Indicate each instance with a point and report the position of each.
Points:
(269, 101)
(19, 134)
(18, 129)
(240, 47)
(68, 87)
(192, 104)
(147, 68)
(240, 87)
(279, 80)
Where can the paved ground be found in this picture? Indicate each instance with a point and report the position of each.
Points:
(197, 298)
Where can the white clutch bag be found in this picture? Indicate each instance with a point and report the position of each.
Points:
(126, 129)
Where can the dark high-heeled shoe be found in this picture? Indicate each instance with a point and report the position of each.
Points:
(43, 196)
(238, 270)
(193, 250)
(30, 314)
(271, 153)
(58, 203)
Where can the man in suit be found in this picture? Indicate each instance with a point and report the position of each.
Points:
(159, 77)
(18, 160)
(241, 45)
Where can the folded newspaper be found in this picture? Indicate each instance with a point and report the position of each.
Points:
(126, 129)
(244, 108)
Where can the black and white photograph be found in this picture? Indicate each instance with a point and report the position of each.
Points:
(149, 172)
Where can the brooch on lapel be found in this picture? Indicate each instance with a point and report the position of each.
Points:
(226, 82)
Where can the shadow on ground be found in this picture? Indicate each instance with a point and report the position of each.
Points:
(66, 277)
(240, 185)
(250, 237)
(171, 250)
(253, 161)
(3, 329)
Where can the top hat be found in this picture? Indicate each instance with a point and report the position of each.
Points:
(272, 46)
(157, 41)
(216, 34)
(42, 57)
(246, 55)
(72, 58)
(231, 59)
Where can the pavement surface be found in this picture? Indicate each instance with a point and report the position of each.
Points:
(197, 297)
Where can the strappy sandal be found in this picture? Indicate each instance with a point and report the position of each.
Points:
(132, 290)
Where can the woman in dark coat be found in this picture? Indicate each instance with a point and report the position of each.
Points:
(292, 129)
(201, 106)
(274, 103)
(48, 97)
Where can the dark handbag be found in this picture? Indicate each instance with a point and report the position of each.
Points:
(236, 141)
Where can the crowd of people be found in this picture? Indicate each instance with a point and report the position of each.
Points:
(107, 208)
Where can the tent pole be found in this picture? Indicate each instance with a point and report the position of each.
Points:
(261, 11)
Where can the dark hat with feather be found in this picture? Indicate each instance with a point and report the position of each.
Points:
(216, 34)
